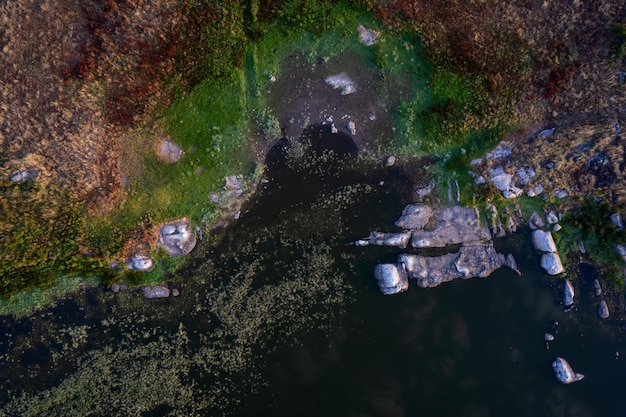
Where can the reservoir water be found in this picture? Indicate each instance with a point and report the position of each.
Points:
(278, 315)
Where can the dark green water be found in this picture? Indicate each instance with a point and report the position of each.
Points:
(280, 316)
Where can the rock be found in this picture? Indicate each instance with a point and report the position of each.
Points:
(545, 133)
(501, 151)
(480, 180)
(543, 241)
(123, 286)
(25, 175)
(214, 197)
(617, 220)
(568, 293)
(518, 211)
(551, 217)
(155, 292)
(556, 227)
(342, 82)
(399, 239)
(175, 292)
(524, 175)
(477, 260)
(423, 192)
(551, 263)
(535, 191)
(597, 288)
(351, 127)
(621, 251)
(391, 161)
(535, 221)
(510, 225)
(115, 287)
(414, 217)
(503, 182)
(177, 237)
(603, 309)
(458, 191)
(548, 337)
(140, 263)
(169, 151)
(512, 264)
(476, 161)
(564, 372)
(233, 182)
(453, 225)
(561, 193)
(391, 278)
(581, 247)
(601, 167)
(367, 36)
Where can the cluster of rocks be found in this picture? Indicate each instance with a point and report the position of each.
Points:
(450, 226)
(544, 243)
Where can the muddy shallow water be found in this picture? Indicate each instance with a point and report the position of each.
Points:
(281, 316)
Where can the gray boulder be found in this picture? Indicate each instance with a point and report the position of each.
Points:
(564, 372)
(453, 225)
(551, 263)
(177, 237)
(392, 278)
(155, 292)
(551, 217)
(543, 241)
(603, 309)
(414, 217)
(535, 221)
(511, 263)
(471, 261)
(399, 239)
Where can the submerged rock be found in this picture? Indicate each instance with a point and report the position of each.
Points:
(155, 292)
(568, 293)
(551, 263)
(597, 288)
(392, 278)
(543, 241)
(603, 309)
(564, 372)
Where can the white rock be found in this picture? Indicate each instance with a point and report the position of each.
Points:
(564, 372)
(140, 263)
(568, 293)
(25, 175)
(548, 337)
(391, 278)
(617, 220)
(155, 292)
(562, 193)
(391, 161)
(543, 241)
(351, 127)
(545, 133)
(556, 227)
(476, 161)
(551, 217)
(551, 263)
(597, 288)
(501, 151)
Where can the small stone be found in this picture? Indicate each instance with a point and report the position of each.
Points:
(603, 309)
(169, 152)
(564, 372)
(546, 132)
(617, 220)
(175, 292)
(551, 217)
(556, 227)
(391, 161)
(25, 175)
(548, 337)
(214, 197)
(140, 263)
(115, 287)
(581, 247)
(155, 292)
(367, 36)
(351, 127)
(562, 193)
(535, 221)
(237, 215)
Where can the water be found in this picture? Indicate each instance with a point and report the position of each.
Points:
(279, 316)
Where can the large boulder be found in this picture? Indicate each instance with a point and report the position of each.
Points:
(543, 241)
(564, 372)
(177, 237)
(453, 225)
(391, 278)
(477, 260)
(551, 263)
